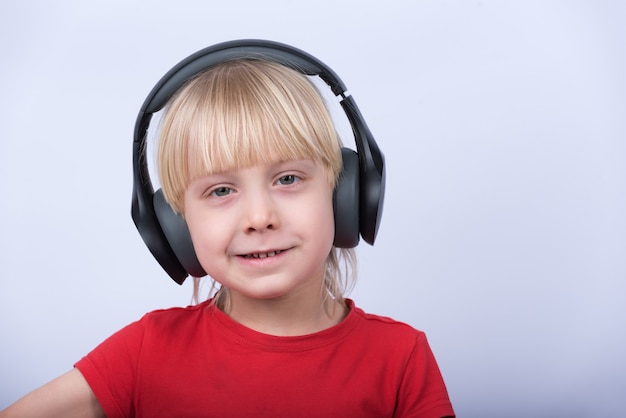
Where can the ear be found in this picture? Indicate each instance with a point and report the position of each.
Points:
(346, 201)
(177, 234)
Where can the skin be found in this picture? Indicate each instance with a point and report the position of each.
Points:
(264, 232)
(68, 395)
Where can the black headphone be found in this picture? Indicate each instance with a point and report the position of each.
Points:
(358, 197)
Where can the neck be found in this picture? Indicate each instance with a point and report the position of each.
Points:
(289, 316)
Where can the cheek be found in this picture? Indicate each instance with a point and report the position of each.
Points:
(210, 244)
(203, 230)
(320, 217)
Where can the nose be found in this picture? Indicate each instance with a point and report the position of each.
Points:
(260, 212)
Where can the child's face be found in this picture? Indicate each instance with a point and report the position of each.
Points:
(264, 231)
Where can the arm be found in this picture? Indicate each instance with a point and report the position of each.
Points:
(66, 396)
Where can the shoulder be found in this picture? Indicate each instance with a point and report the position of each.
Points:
(155, 326)
(176, 319)
(388, 333)
(382, 323)
(178, 313)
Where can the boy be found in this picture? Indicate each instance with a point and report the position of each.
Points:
(254, 176)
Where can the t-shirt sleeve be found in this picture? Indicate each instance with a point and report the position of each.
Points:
(423, 392)
(111, 369)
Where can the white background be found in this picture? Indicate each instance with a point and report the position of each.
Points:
(504, 233)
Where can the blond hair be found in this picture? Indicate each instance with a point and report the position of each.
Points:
(241, 113)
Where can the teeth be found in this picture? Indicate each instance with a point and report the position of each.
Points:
(263, 255)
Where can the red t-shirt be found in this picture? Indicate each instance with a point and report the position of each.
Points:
(197, 362)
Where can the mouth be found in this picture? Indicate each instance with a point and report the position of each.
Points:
(263, 255)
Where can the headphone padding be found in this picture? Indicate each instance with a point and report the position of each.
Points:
(346, 201)
(177, 234)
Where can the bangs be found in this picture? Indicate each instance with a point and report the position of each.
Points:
(244, 135)
(240, 114)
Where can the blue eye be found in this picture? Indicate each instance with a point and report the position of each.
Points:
(221, 191)
(288, 179)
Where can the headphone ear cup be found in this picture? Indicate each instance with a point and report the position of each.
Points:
(372, 184)
(346, 201)
(177, 234)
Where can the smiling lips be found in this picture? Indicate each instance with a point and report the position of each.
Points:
(263, 255)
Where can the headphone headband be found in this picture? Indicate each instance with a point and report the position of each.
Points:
(206, 58)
